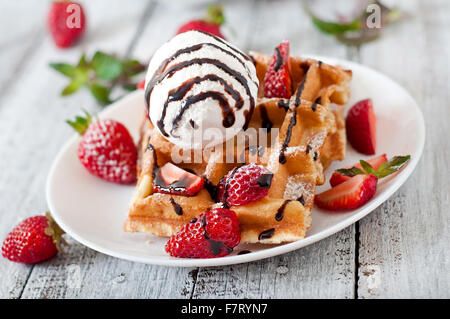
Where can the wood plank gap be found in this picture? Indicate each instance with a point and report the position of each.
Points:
(356, 273)
(145, 18)
(354, 54)
(194, 274)
(25, 283)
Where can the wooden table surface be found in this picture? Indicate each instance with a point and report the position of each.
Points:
(401, 250)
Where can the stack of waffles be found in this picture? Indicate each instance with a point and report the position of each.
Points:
(311, 134)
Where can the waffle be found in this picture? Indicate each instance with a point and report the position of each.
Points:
(311, 135)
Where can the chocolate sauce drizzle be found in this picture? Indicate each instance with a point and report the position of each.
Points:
(177, 208)
(316, 156)
(265, 180)
(155, 160)
(211, 188)
(227, 112)
(317, 101)
(266, 234)
(299, 91)
(308, 148)
(293, 121)
(246, 57)
(180, 92)
(280, 212)
(266, 122)
(279, 61)
(192, 123)
(283, 104)
(162, 74)
(216, 246)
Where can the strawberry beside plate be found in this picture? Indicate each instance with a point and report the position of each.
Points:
(93, 211)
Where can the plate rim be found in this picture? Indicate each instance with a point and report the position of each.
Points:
(400, 179)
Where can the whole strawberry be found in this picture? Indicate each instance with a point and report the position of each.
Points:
(212, 234)
(244, 185)
(210, 24)
(66, 22)
(34, 240)
(106, 149)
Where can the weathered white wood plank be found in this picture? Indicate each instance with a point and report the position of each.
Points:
(16, 45)
(404, 245)
(83, 273)
(325, 269)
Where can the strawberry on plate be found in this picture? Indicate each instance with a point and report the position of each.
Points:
(34, 240)
(361, 127)
(212, 234)
(170, 179)
(350, 194)
(277, 81)
(211, 24)
(360, 186)
(66, 22)
(106, 149)
(246, 184)
(338, 178)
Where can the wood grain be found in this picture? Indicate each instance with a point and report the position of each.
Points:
(404, 244)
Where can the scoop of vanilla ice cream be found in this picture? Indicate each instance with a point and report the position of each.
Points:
(200, 89)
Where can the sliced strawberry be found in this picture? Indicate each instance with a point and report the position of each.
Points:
(352, 193)
(361, 127)
(338, 178)
(171, 179)
(277, 81)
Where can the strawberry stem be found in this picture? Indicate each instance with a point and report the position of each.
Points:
(81, 123)
(215, 15)
(53, 230)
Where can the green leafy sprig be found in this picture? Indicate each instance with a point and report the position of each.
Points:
(100, 75)
(385, 169)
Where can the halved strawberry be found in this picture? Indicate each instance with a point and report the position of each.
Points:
(277, 81)
(361, 127)
(338, 178)
(352, 193)
(171, 179)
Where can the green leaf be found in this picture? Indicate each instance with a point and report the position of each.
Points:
(133, 67)
(336, 28)
(74, 86)
(106, 66)
(100, 92)
(350, 171)
(82, 63)
(215, 15)
(391, 166)
(81, 123)
(64, 68)
(129, 87)
(367, 167)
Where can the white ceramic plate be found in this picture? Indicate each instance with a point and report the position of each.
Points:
(93, 211)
